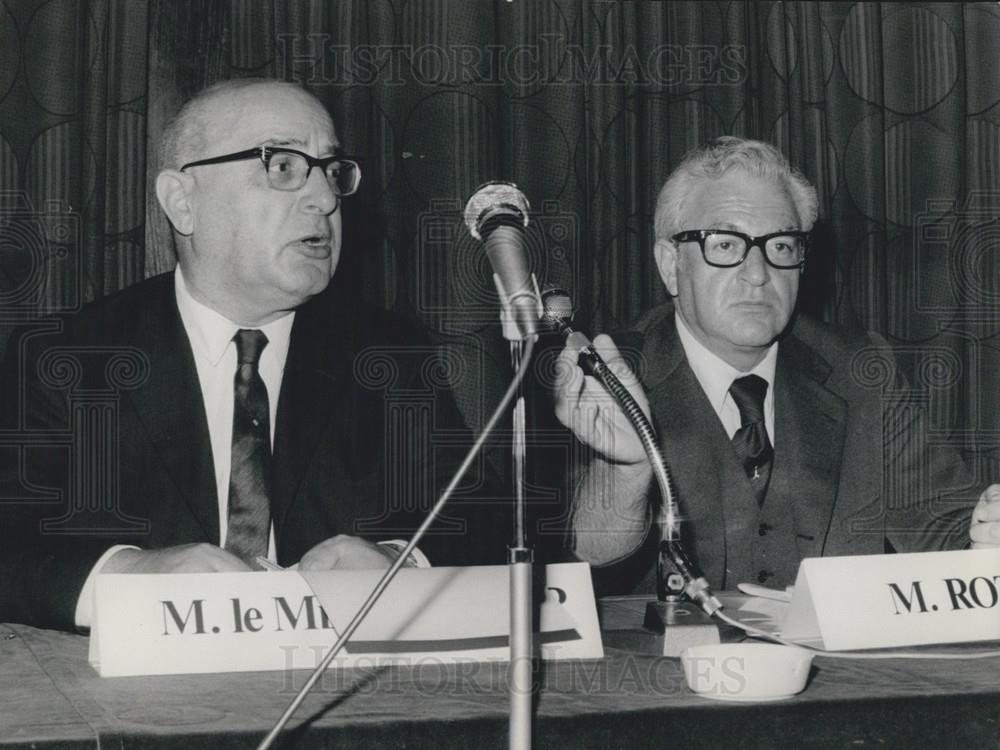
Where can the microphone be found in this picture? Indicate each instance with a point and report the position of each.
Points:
(557, 316)
(497, 214)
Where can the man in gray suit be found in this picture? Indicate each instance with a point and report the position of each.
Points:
(786, 438)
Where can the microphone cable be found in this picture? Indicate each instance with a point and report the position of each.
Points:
(764, 635)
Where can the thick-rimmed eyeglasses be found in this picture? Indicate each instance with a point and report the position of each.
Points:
(724, 249)
(288, 169)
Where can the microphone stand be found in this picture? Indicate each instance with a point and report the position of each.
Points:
(519, 561)
(519, 555)
(386, 579)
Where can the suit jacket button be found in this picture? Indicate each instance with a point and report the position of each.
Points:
(763, 529)
(763, 576)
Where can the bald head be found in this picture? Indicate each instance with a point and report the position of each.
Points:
(200, 124)
(249, 249)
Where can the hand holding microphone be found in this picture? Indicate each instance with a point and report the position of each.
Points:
(596, 418)
(582, 404)
(608, 410)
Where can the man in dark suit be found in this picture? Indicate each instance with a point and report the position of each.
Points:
(237, 408)
(786, 438)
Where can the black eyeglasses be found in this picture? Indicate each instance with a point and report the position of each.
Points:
(724, 249)
(288, 169)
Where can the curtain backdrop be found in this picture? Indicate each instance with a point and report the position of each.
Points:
(890, 109)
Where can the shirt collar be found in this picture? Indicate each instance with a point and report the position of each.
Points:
(715, 374)
(211, 333)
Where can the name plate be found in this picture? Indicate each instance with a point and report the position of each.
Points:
(879, 601)
(256, 621)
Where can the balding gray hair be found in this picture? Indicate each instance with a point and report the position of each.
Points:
(185, 138)
(714, 160)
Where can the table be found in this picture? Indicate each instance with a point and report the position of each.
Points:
(50, 697)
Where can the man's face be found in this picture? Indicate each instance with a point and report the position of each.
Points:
(735, 312)
(257, 252)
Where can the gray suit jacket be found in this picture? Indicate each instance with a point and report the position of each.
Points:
(856, 468)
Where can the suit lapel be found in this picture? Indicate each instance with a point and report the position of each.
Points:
(810, 429)
(696, 449)
(171, 408)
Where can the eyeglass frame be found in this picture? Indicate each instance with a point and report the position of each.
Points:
(700, 235)
(264, 153)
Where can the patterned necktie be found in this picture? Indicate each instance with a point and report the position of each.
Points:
(750, 442)
(250, 472)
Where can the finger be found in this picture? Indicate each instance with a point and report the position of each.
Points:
(985, 533)
(327, 554)
(622, 370)
(609, 352)
(991, 494)
(321, 557)
(986, 511)
(606, 347)
(200, 560)
(568, 375)
(569, 384)
(226, 562)
(310, 561)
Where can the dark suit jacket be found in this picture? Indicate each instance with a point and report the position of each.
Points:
(856, 470)
(366, 434)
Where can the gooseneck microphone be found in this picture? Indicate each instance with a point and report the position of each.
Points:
(557, 316)
(497, 214)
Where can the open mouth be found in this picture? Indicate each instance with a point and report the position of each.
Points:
(318, 240)
(317, 246)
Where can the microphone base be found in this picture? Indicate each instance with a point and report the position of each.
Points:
(675, 626)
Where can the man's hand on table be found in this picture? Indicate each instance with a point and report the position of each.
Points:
(184, 558)
(985, 529)
(345, 552)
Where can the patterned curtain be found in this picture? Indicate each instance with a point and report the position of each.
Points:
(889, 108)
(73, 91)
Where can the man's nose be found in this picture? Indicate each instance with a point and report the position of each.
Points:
(755, 269)
(318, 196)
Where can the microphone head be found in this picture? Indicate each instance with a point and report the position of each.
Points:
(557, 309)
(492, 199)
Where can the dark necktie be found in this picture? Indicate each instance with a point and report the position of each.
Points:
(750, 442)
(250, 472)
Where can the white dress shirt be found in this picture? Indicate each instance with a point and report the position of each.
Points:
(715, 376)
(211, 337)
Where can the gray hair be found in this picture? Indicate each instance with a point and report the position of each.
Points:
(186, 134)
(712, 161)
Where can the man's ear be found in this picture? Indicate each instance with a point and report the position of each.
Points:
(173, 191)
(666, 253)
